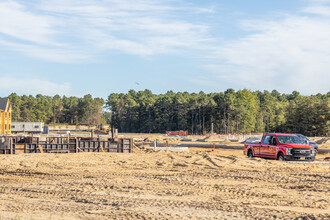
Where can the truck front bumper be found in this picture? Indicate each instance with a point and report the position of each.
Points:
(304, 158)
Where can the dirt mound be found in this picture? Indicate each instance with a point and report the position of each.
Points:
(325, 141)
(215, 138)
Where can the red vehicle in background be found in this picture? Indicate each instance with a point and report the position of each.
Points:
(281, 147)
(177, 133)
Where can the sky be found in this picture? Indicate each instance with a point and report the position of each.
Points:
(98, 47)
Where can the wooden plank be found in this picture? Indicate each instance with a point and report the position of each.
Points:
(20, 149)
(101, 148)
(59, 151)
(40, 148)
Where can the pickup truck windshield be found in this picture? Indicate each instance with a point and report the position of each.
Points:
(290, 140)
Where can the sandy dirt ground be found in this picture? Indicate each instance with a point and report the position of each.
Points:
(200, 184)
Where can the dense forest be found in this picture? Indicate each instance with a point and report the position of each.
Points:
(242, 111)
(57, 109)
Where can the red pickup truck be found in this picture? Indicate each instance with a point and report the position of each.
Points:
(281, 147)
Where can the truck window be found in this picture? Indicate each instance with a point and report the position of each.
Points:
(290, 139)
(266, 140)
(273, 140)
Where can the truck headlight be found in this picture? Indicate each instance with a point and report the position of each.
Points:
(313, 152)
(288, 151)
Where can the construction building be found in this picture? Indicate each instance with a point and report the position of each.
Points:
(5, 116)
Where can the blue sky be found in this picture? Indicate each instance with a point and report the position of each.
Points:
(71, 47)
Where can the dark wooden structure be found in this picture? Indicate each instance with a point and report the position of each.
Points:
(18, 145)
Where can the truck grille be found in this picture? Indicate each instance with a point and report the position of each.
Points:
(302, 152)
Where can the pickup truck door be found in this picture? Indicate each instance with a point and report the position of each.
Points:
(264, 146)
(256, 149)
(272, 147)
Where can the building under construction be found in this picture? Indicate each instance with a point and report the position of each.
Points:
(46, 144)
(10, 144)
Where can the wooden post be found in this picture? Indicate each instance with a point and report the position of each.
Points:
(76, 145)
(5, 145)
(131, 145)
(8, 143)
(11, 147)
(166, 145)
(1, 144)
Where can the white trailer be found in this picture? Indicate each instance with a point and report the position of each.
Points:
(28, 127)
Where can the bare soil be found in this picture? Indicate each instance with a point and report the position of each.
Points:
(200, 184)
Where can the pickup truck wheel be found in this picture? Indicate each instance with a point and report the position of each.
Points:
(280, 157)
(250, 154)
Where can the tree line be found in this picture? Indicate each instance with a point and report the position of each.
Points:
(57, 109)
(241, 111)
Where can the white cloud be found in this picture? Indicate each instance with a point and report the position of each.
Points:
(32, 86)
(16, 22)
(318, 10)
(54, 54)
(136, 27)
(290, 53)
(83, 29)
